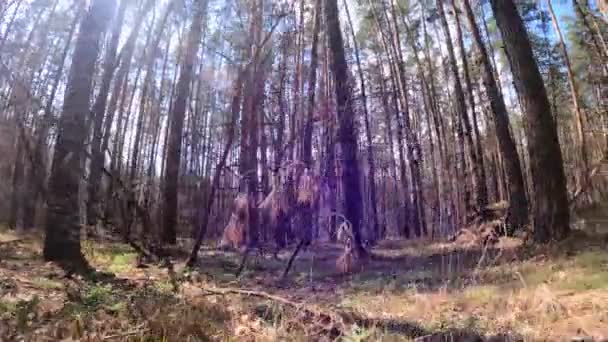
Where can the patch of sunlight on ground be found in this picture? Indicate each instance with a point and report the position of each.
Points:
(531, 298)
(116, 258)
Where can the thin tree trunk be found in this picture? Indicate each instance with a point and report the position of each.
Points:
(235, 109)
(312, 84)
(36, 175)
(580, 117)
(368, 134)
(170, 191)
(99, 109)
(149, 62)
(9, 25)
(482, 188)
(461, 111)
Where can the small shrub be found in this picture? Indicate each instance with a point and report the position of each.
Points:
(7, 309)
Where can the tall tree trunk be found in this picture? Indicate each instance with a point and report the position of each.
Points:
(9, 25)
(170, 191)
(461, 111)
(518, 203)
(346, 125)
(62, 239)
(99, 109)
(149, 58)
(399, 101)
(36, 175)
(368, 134)
(580, 118)
(550, 215)
(235, 109)
(312, 85)
(482, 188)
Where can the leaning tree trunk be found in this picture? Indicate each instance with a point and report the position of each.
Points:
(62, 240)
(150, 57)
(99, 109)
(550, 213)
(518, 203)
(580, 118)
(170, 191)
(347, 137)
(202, 230)
(482, 189)
(35, 182)
(461, 110)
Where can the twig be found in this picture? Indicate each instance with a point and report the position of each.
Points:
(130, 333)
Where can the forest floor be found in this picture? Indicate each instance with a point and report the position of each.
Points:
(407, 290)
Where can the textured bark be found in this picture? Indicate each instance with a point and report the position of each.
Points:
(347, 137)
(62, 239)
(169, 233)
(518, 203)
(550, 214)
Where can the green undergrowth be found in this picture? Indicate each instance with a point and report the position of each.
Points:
(116, 258)
(544, 294)
(530, 298)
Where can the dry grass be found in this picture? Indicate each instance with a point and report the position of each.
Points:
(544, 294)
(540, 298)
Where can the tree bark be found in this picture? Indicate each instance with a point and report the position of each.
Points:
(368, 133)
(62, 239)
(170, 191)
(347, 137)
(550, 214)
(518, 203)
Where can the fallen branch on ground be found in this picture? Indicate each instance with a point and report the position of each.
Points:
(10, 241)
(340, 319)
(126, 334)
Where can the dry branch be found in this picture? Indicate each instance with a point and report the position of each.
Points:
(337, 319)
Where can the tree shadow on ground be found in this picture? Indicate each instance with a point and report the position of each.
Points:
(396, 266)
